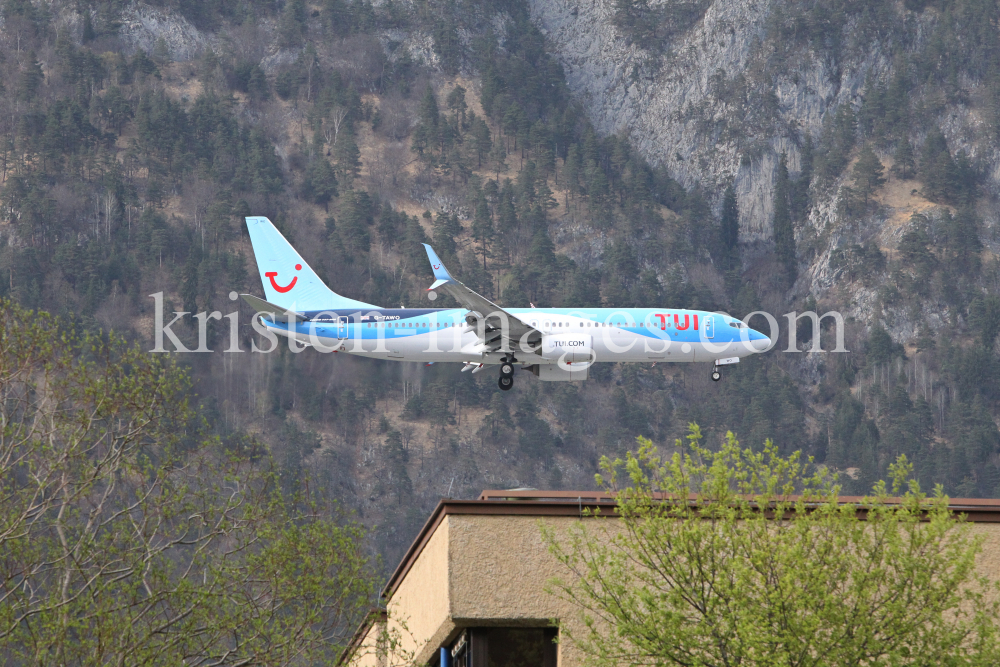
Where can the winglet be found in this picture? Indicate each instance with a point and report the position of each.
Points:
(437, 266)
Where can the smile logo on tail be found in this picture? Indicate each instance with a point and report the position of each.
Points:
(286, 288)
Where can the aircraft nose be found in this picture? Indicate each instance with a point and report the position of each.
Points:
(759, 341)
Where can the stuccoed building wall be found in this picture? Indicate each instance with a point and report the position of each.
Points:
(474, 583)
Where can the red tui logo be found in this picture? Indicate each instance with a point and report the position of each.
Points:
(286, 288)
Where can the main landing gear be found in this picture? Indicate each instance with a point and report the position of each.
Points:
(507, 368)
(716, 375)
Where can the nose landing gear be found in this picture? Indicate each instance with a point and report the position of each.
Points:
(506, 380)
(716, 372)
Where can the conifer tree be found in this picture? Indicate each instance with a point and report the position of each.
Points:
(447, 44)
(88, 34)
(456, 103)
(572, 169)
(784, 232)
(446, 230)
(938, 169)
(189, 285)
(31, 78)
(482, 143)
(320, 184)
(292, 25)
(903, 164)
(730, 226)
(356, 218)
(482, 227)
(800, 190)
(348, 157)
(336, 17)
(429, 114)
(498, 156)
(867, 174)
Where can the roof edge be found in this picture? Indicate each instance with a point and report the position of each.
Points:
(573, 503)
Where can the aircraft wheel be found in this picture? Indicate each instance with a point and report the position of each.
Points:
(506, 368)
(716, 375)
(506, 382)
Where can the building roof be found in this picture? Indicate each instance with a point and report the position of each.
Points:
(533, 502)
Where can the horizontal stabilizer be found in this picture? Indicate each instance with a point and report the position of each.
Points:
(262, 306)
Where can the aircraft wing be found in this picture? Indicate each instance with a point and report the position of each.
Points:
(266, 307)
(497, 328)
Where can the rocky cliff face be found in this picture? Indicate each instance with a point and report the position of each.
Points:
(718, 105)
(650, 97)
(673, 107)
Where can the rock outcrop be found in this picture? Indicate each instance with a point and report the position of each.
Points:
(669, 104)
(143, 27)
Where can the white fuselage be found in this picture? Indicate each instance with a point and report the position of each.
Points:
(442, 335)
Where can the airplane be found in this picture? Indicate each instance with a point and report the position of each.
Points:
(554, 344)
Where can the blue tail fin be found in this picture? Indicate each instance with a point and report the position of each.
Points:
(288, 280)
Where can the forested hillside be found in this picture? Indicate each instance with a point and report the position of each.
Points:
(136, 136)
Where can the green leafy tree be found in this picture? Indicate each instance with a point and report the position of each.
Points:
(716, 579)
(137, 539)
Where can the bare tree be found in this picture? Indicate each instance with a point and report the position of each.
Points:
(110, 202)
(397, 117)
(377, 169)
(386, 165)
(331, 129)
(396, 159)
(199, 193)
(361, 59)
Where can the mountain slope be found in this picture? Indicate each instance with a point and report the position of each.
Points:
(555, 158)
